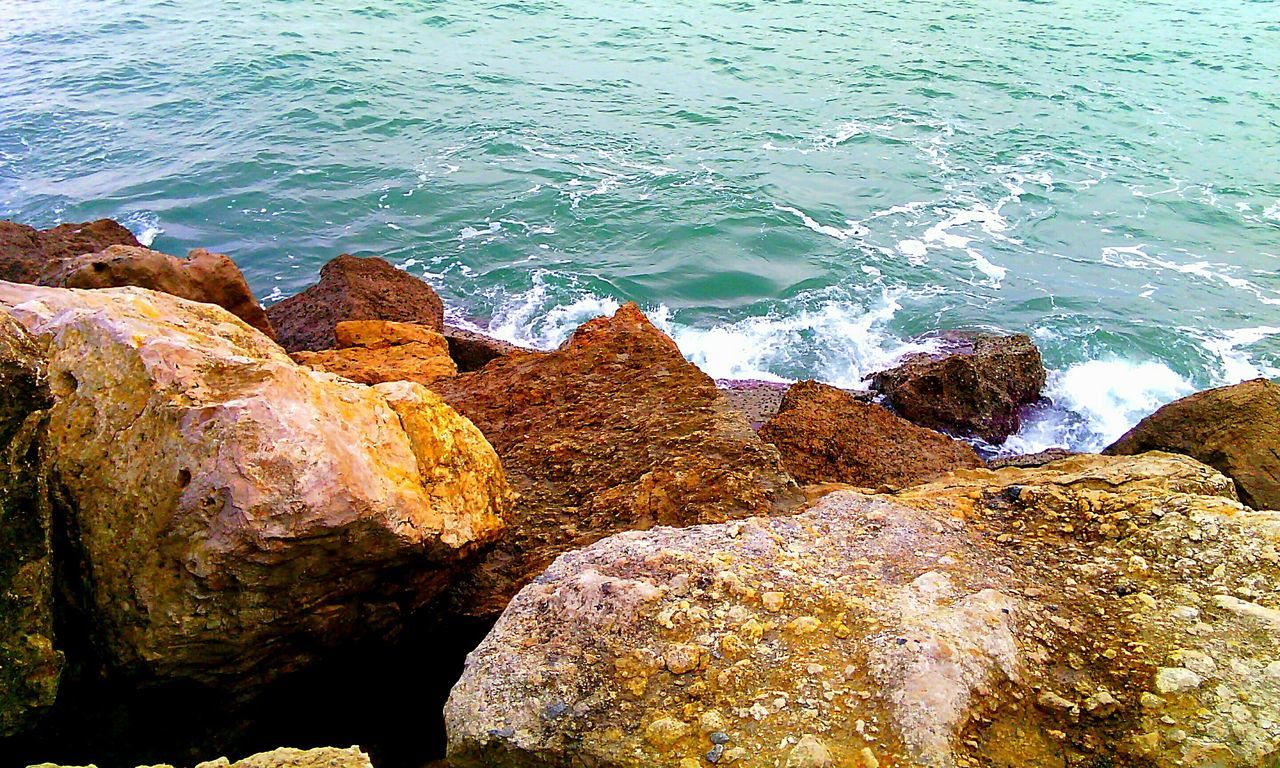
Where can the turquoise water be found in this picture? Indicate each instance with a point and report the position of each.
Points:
(792, 189)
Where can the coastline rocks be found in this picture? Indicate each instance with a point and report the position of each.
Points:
(203, 276)
(353, 288)
(30, 664)
(472, 351)
(1095, 611)
(26, 252)
(613, 431)
(285, 757)
(976, 385)
(375, 351)
(237, 515)
(1234, 429)
(826, 435)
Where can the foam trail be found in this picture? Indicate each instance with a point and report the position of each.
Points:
(144, 225)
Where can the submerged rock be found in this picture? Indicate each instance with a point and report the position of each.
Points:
(826, 435)
(1234, 429)
(976, 385)
(237, 514)
(613, 431)
(353, 288)
(26, 252)
(375, 351)
(1096, 611)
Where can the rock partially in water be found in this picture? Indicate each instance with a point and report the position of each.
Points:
(1095, 611)
(472, 351)
(1234, 429)
(613, 431)
(26, 252)
(353, 288)
(238, 515)
(976, 385)
(826, 435)
(376, 351)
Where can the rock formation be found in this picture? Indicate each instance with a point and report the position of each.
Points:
(1234, 429)
(613, 431)
(25, 252)
(472, 351)
(322, 757)
(237, 514)
(826, 435)
(1095, 611)
(353, 288)
(976, 385)
(375, 351)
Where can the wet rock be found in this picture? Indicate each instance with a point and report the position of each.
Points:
(825, 435)
(472, 351)
(203, 276)
(375, 351)
(25, 252)
(613, 431)
(944, 625)
(30, 663)
(353, 288)
(238, 515)
(1234, 429)
(976, 384)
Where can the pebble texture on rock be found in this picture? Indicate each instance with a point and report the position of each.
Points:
(1096, 611)
(826, 435)
(613, 431)
(1234, 429)
(239, 514)
(376, 351)
(26, 252)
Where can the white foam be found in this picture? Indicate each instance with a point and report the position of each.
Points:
(144, 225)
(1236, 364)
(852, 230)
(991, 223)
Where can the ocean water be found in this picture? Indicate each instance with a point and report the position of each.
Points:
(791, 189)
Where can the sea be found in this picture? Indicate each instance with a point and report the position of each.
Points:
(790, 188)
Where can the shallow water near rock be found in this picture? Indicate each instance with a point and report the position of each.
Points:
(794, 190)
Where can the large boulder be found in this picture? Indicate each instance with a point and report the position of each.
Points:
(1234, 429)
(1096, 611)
(976, 384)
(353, 288)
(376, 351)
(613, 431)
(827, 435)
(30, 664)
(203, 276)
(236, 514)
(25, 252)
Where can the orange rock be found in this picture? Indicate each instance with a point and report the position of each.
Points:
(375, 351)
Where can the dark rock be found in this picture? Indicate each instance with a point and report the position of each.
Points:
(976, 385)
(1235, 430)
(1037, 459)
(353, 288)
(472, 351)
(826, 435)
(25, 252)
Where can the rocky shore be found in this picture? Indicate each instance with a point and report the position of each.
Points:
(337, 520)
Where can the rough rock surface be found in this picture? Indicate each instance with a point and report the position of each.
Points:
(1026, 460)
(1235, 430)
(376, 351)
(613, 431)
(826, 435)
(285, 757)
(977, 385)
(30, 665)
(25, 252)
(238, 514)
(353, 288)
(1097, 611)
(203, 276)
(472, 351)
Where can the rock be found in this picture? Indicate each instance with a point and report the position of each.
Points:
(472, 351)
(375, 351)
(1028, 460)
(238, 515)
(939, 626)
(977, 385)
(322, 757)
(613, 431)
(25, 252)
(825, 435)
(30, 664)
(353, 288)
(203, 276)
(757, 400)
(1235, 430)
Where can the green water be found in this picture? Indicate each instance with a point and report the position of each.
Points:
(790, 188)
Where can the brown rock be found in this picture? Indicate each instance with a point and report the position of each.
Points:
(826, 435)
(353, 288)
(375, 351)
(203, 276)
(977, 385)
(1027, 460)
(472, 351)
(25, 251)
(1235, 430)
(613, 431)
